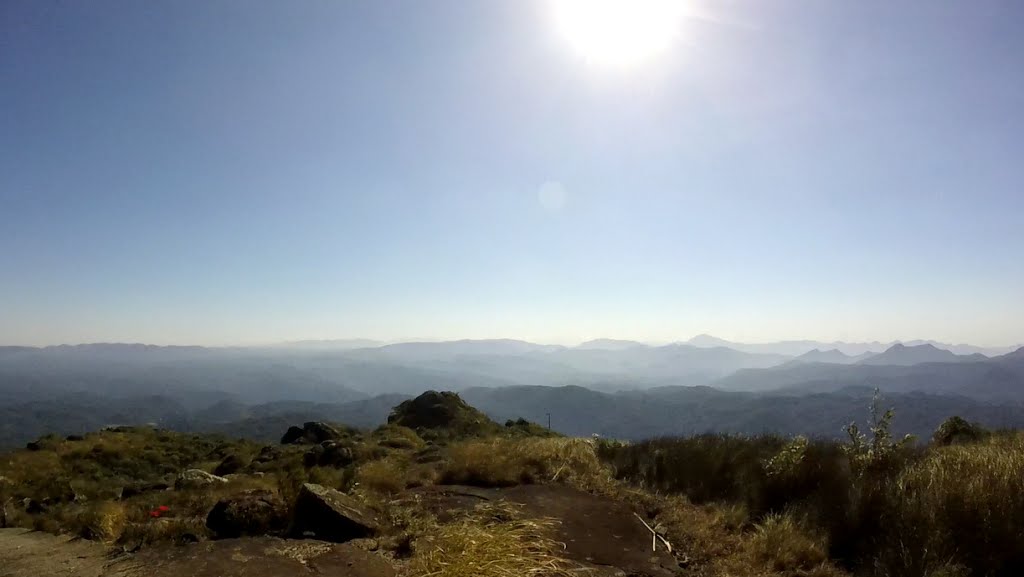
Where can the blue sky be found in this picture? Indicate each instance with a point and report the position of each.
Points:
(245, 172)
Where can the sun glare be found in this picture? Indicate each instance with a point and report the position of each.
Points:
(619, 32)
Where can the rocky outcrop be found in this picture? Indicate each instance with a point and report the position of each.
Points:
(328, 454)
(293, 435)
(313, 432)
(194, 478)
(442, 412)
(248, 514)
(330, 515)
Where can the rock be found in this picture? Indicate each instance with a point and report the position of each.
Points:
(318, 432)
(328, 454)
(293, 435)
(193, 478)
(336, 455)
(230, 464)
(140, 488)
(443, 412)
(74, 438)
(312, 457)
(330, 515)
(250, 513)
(312, 432)
(268, 454)
(33, 446)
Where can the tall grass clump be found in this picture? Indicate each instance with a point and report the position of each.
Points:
(961, 505)
(502, 462)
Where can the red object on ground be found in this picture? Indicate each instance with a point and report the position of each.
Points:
(163, 508)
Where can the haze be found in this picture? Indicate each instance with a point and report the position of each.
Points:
(210, 173)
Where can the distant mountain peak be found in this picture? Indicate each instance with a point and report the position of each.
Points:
(609, 345)
(900, 354)
(831, 356)
(706, 340)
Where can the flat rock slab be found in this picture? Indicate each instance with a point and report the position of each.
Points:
(262, 557)
(596, 530)
(33, 554)
(25, 553)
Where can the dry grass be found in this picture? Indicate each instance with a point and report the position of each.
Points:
(104, 521)
(779, 545)
(394, 474)
(491, 541)
(398, 437)
(505, 462)
(961, 505)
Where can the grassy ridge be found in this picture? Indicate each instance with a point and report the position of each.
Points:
(878, 506)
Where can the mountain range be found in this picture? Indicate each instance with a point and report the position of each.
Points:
(607, 386)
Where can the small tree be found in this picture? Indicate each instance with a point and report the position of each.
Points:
(866, 453)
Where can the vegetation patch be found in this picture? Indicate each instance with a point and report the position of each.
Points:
(492, 541)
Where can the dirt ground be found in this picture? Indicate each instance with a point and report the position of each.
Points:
(598, 531)
(32, 554)
(602, 534)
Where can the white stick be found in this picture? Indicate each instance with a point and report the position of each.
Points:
(654, 536)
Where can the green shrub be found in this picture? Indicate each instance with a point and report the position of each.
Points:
(956, 430)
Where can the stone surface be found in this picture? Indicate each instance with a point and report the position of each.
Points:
(312, 432)
(193, 478)
(331, 515)
(32, 554)
(248, 514)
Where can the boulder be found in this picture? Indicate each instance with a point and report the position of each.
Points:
(328, 454)
(33, 446)
(312, 432)
(267, 454)
(230, 464)
(312, 457)
(336, 455)
(318, 432)
(250, 513)
(294, 435)
(194, 478)
(330, 515)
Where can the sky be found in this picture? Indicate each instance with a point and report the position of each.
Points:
(193, 172)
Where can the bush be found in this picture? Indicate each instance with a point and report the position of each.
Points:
(956, 430)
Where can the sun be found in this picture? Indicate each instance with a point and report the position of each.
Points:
(619, 32)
